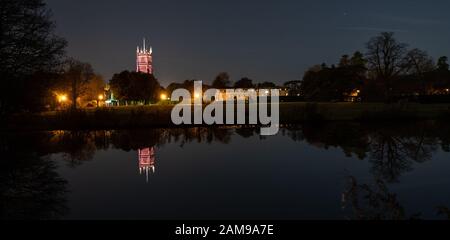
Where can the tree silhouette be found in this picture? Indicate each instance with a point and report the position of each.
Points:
(222, 81)
(266, 85)
(135, 86)
(418, 63)
(332, 84)
(442, 63)
(358, 60)
(345, 61)
(386, 58)
(244, 83)
(76, 78)
(28, 46)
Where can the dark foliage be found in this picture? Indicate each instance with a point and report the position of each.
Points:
(28, 48)
(135, 86)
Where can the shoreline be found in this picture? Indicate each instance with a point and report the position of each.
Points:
(158, 116)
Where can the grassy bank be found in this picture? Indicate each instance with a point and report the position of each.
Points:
(159, 115)
(298, 112)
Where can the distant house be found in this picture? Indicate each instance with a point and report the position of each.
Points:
(223, 96)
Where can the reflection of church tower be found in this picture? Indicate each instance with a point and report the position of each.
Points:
(144, 60)
(146, 161)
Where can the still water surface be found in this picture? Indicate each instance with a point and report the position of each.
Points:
(329, 171)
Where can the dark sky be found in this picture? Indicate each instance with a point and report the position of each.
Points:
(264, 40)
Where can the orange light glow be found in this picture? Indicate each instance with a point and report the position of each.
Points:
(355, 93)
(62, 98)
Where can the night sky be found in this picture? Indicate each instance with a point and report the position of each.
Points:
(264, 40)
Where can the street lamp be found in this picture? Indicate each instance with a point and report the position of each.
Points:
(163, 97)
(62, 98)
(99, 98)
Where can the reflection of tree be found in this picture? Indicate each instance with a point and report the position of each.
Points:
(295, 132)
(372, 202)
(394, 150)
(443, 133)
(246, 132)
(79, 146)
(30, 187)
(352, 138)
(389, 158)
(375, 202)
(134, 139)
(201, 135)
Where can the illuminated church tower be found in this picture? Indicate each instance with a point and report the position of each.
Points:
(144, 61)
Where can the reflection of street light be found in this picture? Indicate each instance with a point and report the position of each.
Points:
(197, 95)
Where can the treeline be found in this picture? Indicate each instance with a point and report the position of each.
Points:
(134, 88)
(222, 81)
(387, 70)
